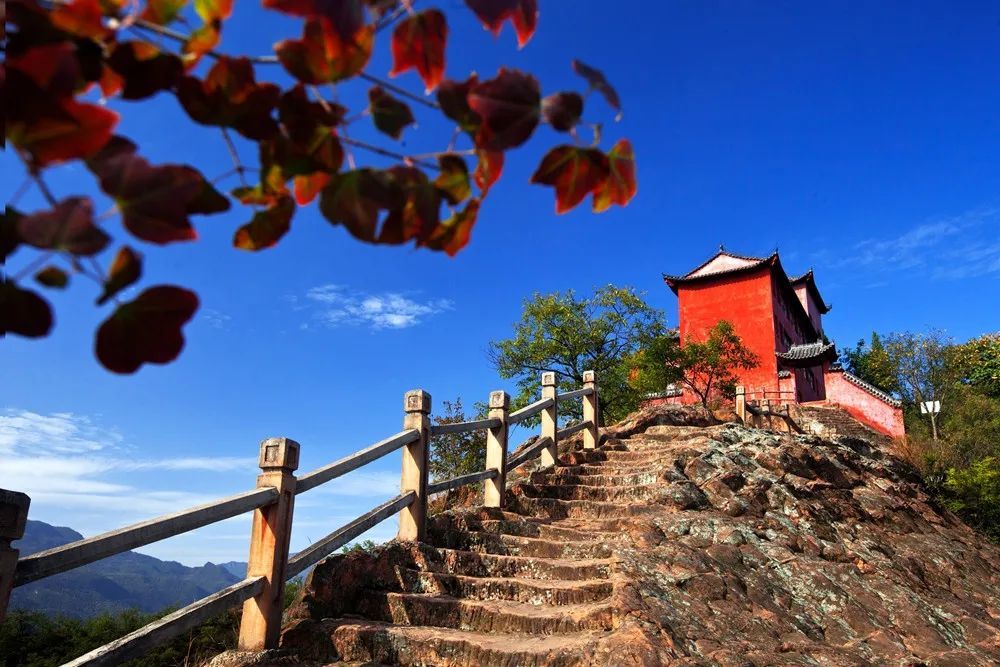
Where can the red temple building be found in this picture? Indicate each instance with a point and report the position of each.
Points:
(780, 319)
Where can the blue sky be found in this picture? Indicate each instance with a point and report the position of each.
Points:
(861, 139)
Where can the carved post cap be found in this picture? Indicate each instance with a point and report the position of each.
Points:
(548, 379)
(279, 453)
(741, 390)
(417, 400)
(589, 376)
(13, 514)
(499, 399)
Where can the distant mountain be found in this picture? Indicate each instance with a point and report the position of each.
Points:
(127, 580)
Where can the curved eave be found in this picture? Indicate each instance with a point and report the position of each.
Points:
(827, 353)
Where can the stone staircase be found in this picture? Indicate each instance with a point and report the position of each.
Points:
(533, 584)
(833, 421)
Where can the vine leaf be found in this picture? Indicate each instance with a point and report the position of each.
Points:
(345, 17)
(418, 42)
(562, 110)
(162, 12)
(213, 10)
(82, 18)
(41, 116)
(453, 96)
(574, 172)
(390, 115)
(23, 312)
(620, 186)
(266, 227)
(125, 270)
(324, 55)
(155, 202)
(146, 330)
(488, 169)
(418, 215)
(66, 227)
(201, 40)
(52, 276)
(144, 69)
(597, 81)
(230, 97)
(453, 179)
(453, 234)
(509, 107)
(522, 13)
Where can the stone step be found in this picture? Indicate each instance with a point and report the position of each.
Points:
(515, 589)
(595, 479)
(611, 469)
(560, 509)
(517, 545)
(474, 564)
(527, 528)
(381, 643)
(485, 615)
(598, 493)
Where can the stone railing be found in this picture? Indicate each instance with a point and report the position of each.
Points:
(272, 503)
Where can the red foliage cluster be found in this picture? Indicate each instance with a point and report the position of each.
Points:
(61, 55)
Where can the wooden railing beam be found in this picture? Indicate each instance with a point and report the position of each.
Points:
(413, 518)
(496, 450)
(13, 518)
(260, 626)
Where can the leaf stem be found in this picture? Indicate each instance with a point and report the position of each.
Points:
(237, 164)
(402, 92)
(32, 265)
(387, 153)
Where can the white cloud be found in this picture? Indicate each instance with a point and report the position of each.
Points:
(216, 318)
(963, 246)
(338, 306)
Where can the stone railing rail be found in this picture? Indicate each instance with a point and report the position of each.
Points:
(272, 504)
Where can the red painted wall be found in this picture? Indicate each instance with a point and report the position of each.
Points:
(866, 408)
(746, 301)
(786, 307)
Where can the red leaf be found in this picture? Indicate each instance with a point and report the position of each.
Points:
(453, 234)
(155, 202)
(418, 215)
(67, 227)
(620, 186)
(266, 227)
(41, 116)
(146, 330)
(390, 115)
(574, 172)
(308, 186)
(82, 18)
(453, 179)
(309, 143)
(418, 42)
(522, 13)
(162, 12)
(145, 70)
(346, 17)
(212, 10)
(323, 55)
(125, 270)
(230, 97)
(201, 41)
(562, 110)
(453, 98)
(355, 199)
(52, 276)
(488, 169)
(598, 82)
(509, 106)
(23, 312)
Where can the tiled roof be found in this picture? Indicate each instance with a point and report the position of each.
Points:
(809, 280)
(750, 264)
(809, 354)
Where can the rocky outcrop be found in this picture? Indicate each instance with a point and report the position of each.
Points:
(676, 542)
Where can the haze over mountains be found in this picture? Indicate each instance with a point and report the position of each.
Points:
(126, 581)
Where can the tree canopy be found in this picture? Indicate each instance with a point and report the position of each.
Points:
(74, 68)
(568, 335)
(455, 454)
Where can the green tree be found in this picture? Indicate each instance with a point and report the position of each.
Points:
(567, 334)
(979, 363)
(925, 368)
(454, 454)
(652, 368)
(708, 367)
(871, 364)
(974, 494)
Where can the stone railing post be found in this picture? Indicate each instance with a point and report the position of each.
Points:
(549, 420)
(413, 518)
(496, 450)
(741, 403)
(590, 435)
(13, 518)
(260, 626)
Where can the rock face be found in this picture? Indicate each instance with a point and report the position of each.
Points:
(675, 543)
